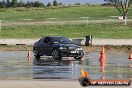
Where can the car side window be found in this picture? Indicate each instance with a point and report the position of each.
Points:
(41, 40)
(47, 40)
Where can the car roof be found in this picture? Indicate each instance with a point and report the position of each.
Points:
(53, 36)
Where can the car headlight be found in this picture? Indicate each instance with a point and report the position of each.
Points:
(62, 48)
(79, 49)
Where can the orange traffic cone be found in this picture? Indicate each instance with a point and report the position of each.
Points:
(86, 74)
(103, 50)
(102, 59)
(28, 56)
(102, 53)
(102, 75)
(130, 57)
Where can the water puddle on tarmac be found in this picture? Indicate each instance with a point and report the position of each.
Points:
(13, 65)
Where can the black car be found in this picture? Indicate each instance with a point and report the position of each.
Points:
(57, 47)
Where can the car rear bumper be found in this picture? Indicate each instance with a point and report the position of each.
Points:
(78, 53)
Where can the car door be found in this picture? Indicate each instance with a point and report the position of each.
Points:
(41, 46)
(47, 46)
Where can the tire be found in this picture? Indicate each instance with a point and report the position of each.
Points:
(56, 54)
(85, 82)
(36, 53)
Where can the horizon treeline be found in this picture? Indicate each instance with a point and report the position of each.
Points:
(16, 3)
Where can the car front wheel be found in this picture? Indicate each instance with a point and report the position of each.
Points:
(56, 54)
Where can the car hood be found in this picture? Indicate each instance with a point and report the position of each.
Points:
(67, 45)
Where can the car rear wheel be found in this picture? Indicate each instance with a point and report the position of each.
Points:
(56, 54)
(36, 53)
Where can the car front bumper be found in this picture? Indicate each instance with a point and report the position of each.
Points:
(72, 53)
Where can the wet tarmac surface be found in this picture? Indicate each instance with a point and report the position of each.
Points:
(13, 65)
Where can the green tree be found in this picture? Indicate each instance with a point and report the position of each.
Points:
(13, 3)
(20, 4)
(38, 4)
(77, 4)
(49, 4)
(55, 3)
(60, 4)
(3, 4)
(122, 6)
(8, 3)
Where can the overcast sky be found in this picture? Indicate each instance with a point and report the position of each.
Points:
(68, 1)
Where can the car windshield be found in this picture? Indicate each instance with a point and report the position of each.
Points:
(61, 40)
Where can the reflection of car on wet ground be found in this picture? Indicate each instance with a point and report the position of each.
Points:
(57, 47)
